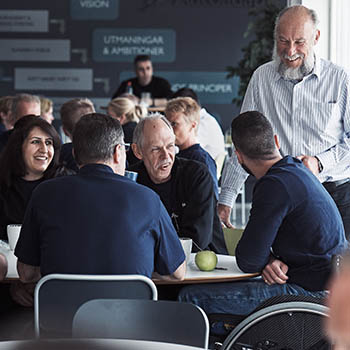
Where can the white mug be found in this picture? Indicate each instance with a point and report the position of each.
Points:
(13, 234)
(187, 247)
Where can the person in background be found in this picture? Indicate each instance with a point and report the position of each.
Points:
(209, 134)
(5, 113)
(71, 112)
(184, 185)
(46, 109)
(22, 105)
(29, 158)
(95, 230)
(306, 99)
(145, 81)
(183, 115)
(128, 114)
(294, 228)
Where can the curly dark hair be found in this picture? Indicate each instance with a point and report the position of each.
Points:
(11, 160)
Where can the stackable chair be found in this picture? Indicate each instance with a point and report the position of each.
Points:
(57, 297)
(163, 321)
(286, 322)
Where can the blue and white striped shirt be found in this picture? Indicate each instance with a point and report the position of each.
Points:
(310, 117)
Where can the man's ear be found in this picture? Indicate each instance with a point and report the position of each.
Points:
(136, 151)
(239, 156)
(116, 154)
(277, 143)
(317, 36)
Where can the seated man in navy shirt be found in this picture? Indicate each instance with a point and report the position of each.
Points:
(293, 231)
(98, 222)
(183, 115)
(184, 186)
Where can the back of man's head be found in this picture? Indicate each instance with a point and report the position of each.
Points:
(252, 135)
(95, 137)
(24, 104)
(141, 58)
(72, 110)
(186, 92)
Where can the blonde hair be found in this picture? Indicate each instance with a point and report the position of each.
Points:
(185, 105)
(45, 105)
(124, 106)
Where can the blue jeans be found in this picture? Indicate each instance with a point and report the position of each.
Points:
(238, 298)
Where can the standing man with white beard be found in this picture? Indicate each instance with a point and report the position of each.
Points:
(307, 101)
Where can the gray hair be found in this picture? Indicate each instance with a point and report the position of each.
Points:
(138, 132)
(17, 100)
(312, 14)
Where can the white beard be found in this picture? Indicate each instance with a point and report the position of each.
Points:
(298, 73)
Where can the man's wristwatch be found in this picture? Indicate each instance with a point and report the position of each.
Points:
(320, 166)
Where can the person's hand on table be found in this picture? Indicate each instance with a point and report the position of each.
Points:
(310, 162)
(224, 212)
(275, 272)
(338, 322)
(3, 267)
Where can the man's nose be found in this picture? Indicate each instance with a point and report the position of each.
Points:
(164, 153)
(291, 49)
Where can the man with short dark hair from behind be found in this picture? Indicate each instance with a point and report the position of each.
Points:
(98, 221)
(145, 81)
(293, 231)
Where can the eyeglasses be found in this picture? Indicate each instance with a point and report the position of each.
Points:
(126, 146)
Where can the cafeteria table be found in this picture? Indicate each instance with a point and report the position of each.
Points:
(227, 270)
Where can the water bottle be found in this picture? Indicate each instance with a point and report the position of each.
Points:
(129, 88)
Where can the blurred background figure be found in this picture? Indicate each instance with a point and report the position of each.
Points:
(71, 112)
(209, 134)
(46, 109)
(158, 89)
(22, 105)
(5, 113)
(183, 115)
(128, 114)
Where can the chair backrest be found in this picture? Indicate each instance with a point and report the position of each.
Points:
(232, 236)
(57, 297)
(287, 325)
(219, 161)
(164, 321)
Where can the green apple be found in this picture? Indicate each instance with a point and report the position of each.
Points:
(206, 260)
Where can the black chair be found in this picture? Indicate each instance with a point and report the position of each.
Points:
(57, 297)
(286, 322)
(162, 321)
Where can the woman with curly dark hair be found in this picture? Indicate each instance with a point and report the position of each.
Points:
(30, 156)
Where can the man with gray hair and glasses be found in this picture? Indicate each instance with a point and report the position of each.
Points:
(307, 101)
(98, 222)
(184, 186)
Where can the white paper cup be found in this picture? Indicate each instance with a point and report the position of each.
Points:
(13, 234)
(187, 247)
